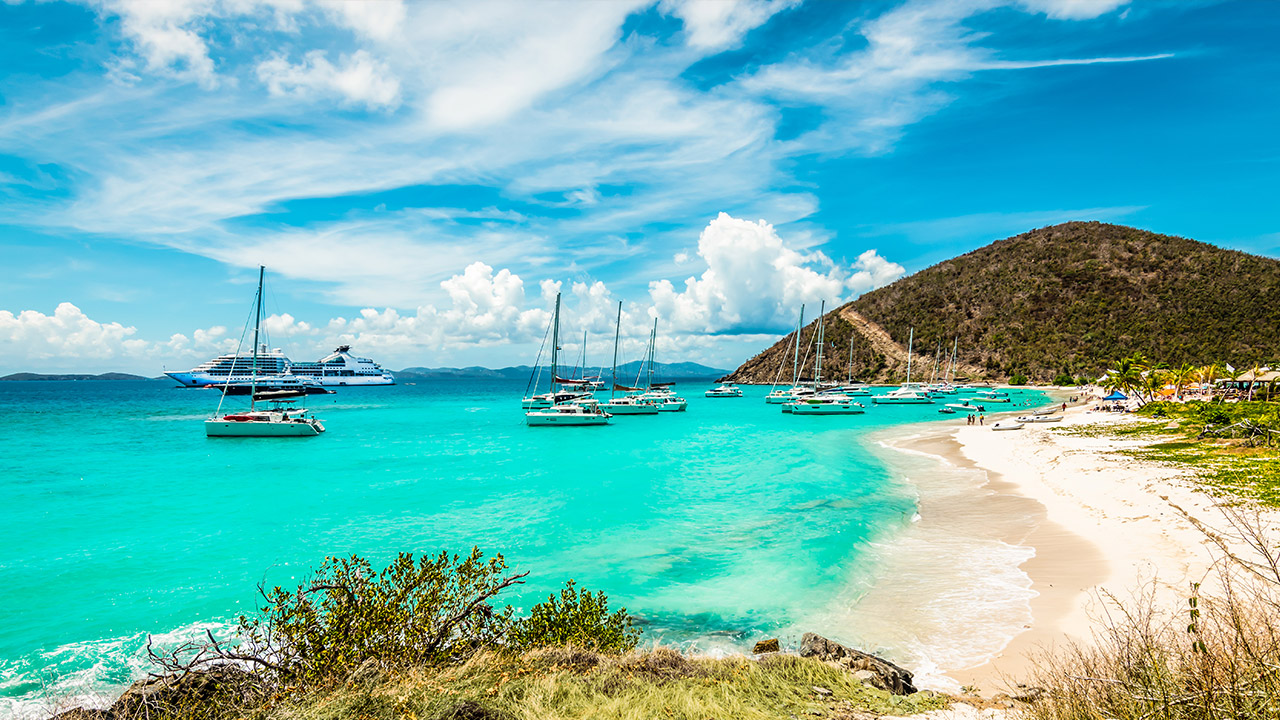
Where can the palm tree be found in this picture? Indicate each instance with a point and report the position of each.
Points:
(1208, 374)
(1181, 377)
(1125, 377)
(1253, 378)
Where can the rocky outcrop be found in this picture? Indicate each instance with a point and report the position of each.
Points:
(875, 671)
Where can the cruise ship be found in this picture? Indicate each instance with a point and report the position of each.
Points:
(338, 368)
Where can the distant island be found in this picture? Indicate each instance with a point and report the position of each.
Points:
(25, 376)
(665, 371)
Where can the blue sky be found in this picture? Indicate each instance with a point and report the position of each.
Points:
(421, 178)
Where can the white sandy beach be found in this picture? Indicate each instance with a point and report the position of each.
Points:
(1103, 523)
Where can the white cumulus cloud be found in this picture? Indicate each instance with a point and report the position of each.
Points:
(358, 78)
(754, 281)
(67, 333)
(162, 33)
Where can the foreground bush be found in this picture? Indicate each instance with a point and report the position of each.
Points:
(575, 619)
(350, 620)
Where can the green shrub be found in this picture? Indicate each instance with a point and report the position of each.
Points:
(1063, 380)
(1018, 379)
(578, 619)
(412, 613)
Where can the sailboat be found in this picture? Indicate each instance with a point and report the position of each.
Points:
(851, 387)
(279, 419)
(910, 393)
(659, 393)
(556, 394)
(577, 408)
(626, 404)
(828, 402)
(782, 396)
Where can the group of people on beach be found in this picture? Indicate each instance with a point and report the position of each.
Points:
(976, 419)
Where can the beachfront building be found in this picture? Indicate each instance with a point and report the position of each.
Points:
(1249, 379)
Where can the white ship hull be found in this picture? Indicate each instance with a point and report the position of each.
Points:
(546, 418)
(195, 379)
(217, 427)
(338, 369)
(629, 409)
(889, 400)
(826, 409)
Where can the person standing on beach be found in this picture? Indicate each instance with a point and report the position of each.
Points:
(982, 419)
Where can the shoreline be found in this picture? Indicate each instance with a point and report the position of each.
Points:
(1100, 522)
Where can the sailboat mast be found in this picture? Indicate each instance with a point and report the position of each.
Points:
(952, 373)
(555, 347)
(653, 349)
(849, 369)
(937, 362)
(817, 370)
(911, 338)
(257, 324)
(613, 384)
(795, 361)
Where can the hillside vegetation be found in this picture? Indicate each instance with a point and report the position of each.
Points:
(1068, 299)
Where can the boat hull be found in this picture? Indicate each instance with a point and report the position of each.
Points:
(803, 409)
(884, 400)
(216, 427)
(780, 399)
(535, 419)
(629, 409)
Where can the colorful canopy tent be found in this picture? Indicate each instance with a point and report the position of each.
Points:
(1116, 395)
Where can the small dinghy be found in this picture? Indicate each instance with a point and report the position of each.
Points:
(1041, 419)
(1008, 425)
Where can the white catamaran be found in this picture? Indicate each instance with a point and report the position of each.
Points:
(783, 396)
(659, 394)
(558, 408)
(910, 393)
(279, 419)
(625, 404)
(823, 401)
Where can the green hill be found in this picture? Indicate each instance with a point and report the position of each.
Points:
(1067, 298)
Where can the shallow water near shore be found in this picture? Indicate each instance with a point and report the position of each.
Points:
(716, 526)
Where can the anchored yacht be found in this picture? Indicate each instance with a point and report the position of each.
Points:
(338, 368)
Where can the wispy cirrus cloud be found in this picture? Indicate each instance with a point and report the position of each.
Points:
(913, 53)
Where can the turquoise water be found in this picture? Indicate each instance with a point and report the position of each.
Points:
(119, 518)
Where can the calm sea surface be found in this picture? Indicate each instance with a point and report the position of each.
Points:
(119, 518)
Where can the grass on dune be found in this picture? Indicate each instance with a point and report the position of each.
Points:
(564, 684)
(1182, 435)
